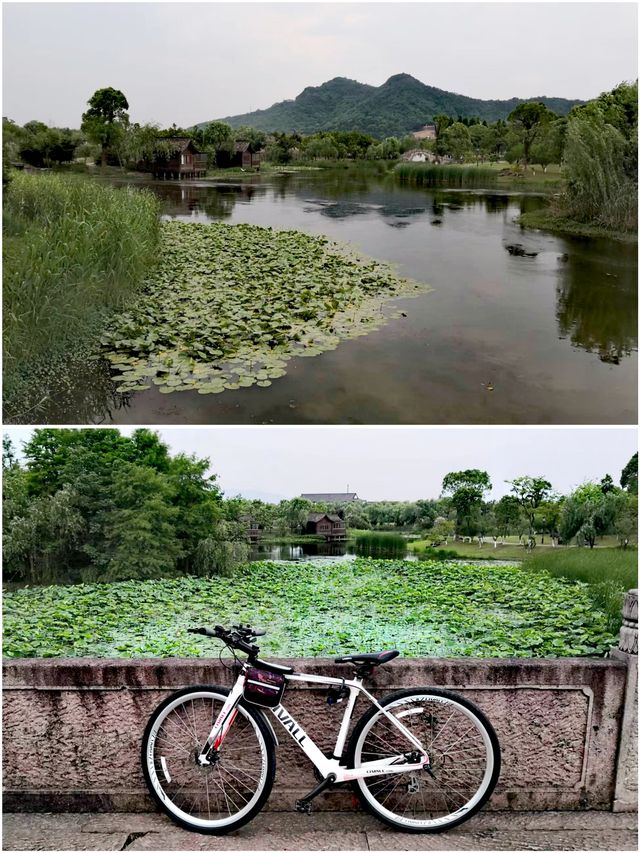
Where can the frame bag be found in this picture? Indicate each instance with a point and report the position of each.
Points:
(263, 688)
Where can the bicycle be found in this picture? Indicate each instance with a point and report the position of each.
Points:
(421, 759)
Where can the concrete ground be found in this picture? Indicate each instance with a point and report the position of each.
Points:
(322, 830)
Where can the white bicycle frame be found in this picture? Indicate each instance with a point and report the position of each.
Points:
(384, 766)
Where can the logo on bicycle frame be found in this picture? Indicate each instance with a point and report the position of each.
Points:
(297, 733)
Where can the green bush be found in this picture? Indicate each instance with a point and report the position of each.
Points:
(72, 249)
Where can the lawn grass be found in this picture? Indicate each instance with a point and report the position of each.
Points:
(465, 550)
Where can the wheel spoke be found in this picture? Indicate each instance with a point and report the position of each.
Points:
(214, 794)
(459, 748)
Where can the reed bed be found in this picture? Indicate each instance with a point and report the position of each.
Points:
(438, 175)
(380, 544)
(72, 250)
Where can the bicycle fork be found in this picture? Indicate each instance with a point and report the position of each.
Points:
(223, 722)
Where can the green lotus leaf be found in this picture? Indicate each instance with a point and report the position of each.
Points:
(234, 303)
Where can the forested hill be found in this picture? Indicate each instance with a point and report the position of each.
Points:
(401, 105)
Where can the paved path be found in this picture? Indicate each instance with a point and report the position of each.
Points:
(322, 831)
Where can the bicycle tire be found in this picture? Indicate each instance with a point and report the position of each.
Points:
(440, 698)
(162, 798)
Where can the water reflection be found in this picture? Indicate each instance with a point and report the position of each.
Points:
(494, 319)
(598, 309)
(328, 550)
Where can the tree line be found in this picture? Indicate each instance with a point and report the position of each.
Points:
(97, 505)
(86, 505)
(531, 509)
(605, 128)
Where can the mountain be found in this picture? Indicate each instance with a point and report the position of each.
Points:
(401, 105)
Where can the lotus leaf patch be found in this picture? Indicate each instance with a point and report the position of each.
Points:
(230, 305)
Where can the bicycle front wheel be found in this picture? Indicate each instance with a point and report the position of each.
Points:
(220, 797)
(463, 751)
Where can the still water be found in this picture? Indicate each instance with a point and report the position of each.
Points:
(322, 551)
(546, 337)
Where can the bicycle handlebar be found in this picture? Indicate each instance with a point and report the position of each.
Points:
(236, 637)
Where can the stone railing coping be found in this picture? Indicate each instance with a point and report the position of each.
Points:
(159, 673)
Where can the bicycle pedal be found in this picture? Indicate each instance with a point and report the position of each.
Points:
(304, 807)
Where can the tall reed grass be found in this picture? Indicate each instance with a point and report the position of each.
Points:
(439, 175)
(380, 544)
(610, 572)
(72, 249)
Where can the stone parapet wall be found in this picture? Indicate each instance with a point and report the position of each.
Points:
(72, 728)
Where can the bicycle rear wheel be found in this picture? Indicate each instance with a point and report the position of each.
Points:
(217, 798)
(464, 760)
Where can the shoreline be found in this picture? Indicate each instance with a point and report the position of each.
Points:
(545, 220)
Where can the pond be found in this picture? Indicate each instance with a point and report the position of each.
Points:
(326, 551)
(545, 337)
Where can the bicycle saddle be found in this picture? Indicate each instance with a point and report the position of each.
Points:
(370, 658)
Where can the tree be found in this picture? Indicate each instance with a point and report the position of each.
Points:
(481, 141)
(441, 531)
(441, 123)
(9, 459)
(40, 538)
(587, 513)
(607, 485)
(255, 138)
(527, 121)
(456, 140)
(601, 159)
(293, 514)
(530, 492)
(466, 490)
(625, 520)
(49, 451)
(140, 538)
(508, 513)
(106, 118)
(321, 148)
(629, 476)
(198, 503)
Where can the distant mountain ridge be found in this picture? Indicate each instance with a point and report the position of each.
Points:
(401, 105)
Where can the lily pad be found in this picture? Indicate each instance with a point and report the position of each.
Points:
(230, 305)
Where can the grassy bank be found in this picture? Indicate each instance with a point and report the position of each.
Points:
(421, 608)
(546, 219)
(609, 572)
(73, 252)
(471, 550)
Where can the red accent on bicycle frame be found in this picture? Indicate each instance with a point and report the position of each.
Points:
(225, 728)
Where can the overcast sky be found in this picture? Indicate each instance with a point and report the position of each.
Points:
(383, 463)
(186, 62)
